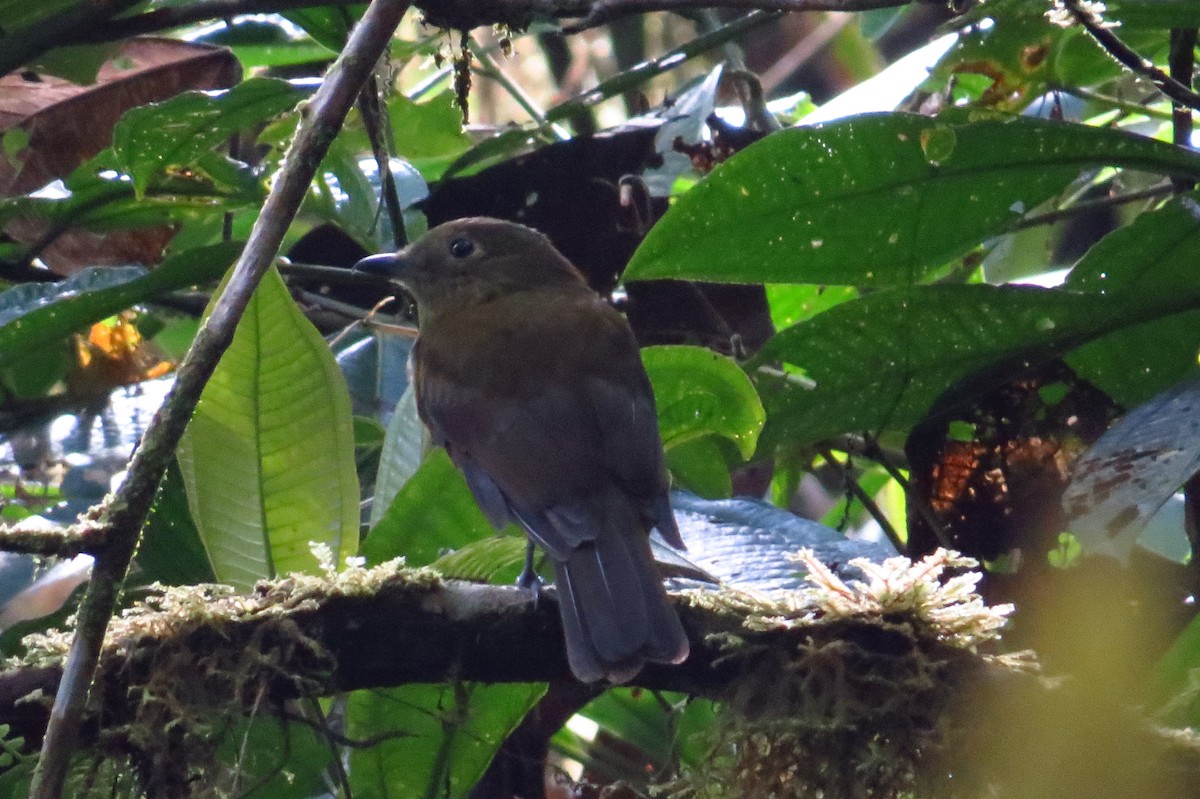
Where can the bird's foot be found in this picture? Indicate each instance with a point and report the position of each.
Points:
(531, 582)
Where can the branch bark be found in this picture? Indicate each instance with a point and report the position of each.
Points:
(121, 519)
(39, 537)
(318, 638)
(1127, 56)
(457, 14)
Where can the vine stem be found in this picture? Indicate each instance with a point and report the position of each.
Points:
(122, 515)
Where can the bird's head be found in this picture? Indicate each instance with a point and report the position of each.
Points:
(472, 261)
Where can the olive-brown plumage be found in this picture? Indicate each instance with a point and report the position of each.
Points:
(534, 386)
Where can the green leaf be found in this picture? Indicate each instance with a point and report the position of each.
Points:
(79, 64)
(171, 551)
(1157, 252)
(497, 559)
(268, 459)
(795, 302)
(279, 759)
(327, 25)
(429, 134)
(21, 12)
(699, 466)
(881, 361)
(878, 200)
(174, 133)
(699, 392)
(444, 737)
(433, 512)
(1155, 14)
(1176, 677)
(654, 724)
(402, 454)
(46, 314)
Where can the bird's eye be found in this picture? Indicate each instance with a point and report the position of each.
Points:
(461, 248)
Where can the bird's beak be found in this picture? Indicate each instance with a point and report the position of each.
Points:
(388, 264)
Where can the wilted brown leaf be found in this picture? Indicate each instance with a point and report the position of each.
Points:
(66, 124)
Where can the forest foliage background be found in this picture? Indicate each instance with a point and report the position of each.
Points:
(921, 275)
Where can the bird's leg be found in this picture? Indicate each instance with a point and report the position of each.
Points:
(528, 579)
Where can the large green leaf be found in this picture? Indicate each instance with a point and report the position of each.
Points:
(699, 392)
(401, 456)
(38, 315)
(152, 138)
(1159, 251)
(171, 551)
(268, 459)
(433, 512)
(1159, 14)
(428, 134)
(444, 736)
(878, 200)
(881, 361)
(699, 466)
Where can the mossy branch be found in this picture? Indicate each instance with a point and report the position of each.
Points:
(387, 626)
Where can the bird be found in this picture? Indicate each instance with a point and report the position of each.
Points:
(534, 385)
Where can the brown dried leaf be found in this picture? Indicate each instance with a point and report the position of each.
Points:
(68, 124)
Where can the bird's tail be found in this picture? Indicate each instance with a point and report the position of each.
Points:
(615, 612)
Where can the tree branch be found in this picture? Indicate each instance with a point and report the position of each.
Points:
(308, 636)
(1126, 55)
(37, 536)
(121, 518)
(457, 14)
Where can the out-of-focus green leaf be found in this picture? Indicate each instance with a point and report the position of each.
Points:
(433, 512)
(1154, 14)
(1173, 681)
(171, 551)
(445, 736)
(268, 458)
(699, 392)
(327, 25)
(428, 134)
(878, 200)
(154, 138)
(78, 64)
(639, 720)
(281, 759)
(1158, 251)
(37, 315)
(792, 303)
(403, 451)
(880, 362)
(699, 466)
(497, 559)
(16, 13)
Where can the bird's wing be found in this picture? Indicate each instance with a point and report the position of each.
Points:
(565, 428)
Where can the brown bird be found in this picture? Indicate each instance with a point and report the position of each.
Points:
(534, 386)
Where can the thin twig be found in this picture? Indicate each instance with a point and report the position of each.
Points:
(101, 26)
(372, 117)
(161, 19)
(1181, 62)
(1115, 102)
(1050, 217)
(604, 11)
(859, 493)
(490, 69)
(124, 514)
(46, 538)
(1126, 55)
(876, 453)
